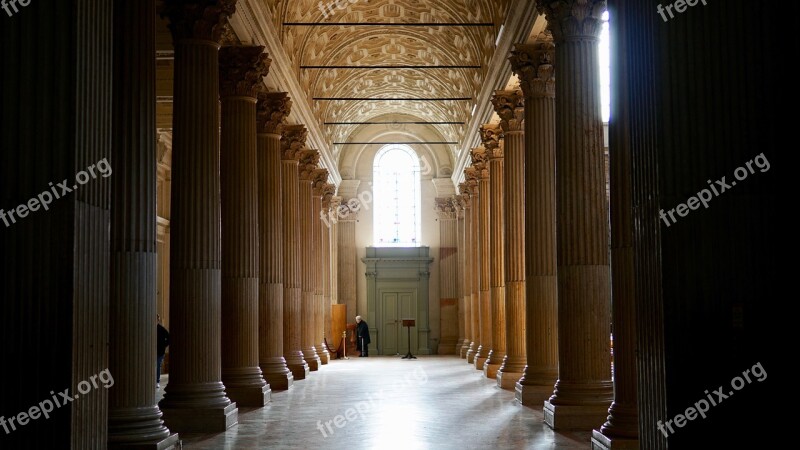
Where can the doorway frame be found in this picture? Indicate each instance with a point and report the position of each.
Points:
(389, 269)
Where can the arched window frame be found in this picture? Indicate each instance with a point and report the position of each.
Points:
(385, 205)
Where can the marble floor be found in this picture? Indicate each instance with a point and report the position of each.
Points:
(434, 402)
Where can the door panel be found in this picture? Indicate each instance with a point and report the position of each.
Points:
(390, 324)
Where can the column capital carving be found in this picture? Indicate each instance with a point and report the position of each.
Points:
(571, 20)
(242, 69)
(293, 141)
(335, 202)
(460, 204)
(533, 64)
(348, 211)
(328, 194)
(510, 106)
(466, 195)
(479, 162)
(472, 176)
(446, 208)
(319, 179)
(309, 159)
(491, 133)
(271, 112)
(198, 19)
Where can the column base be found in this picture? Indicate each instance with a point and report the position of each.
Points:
(299, 371)
(313, 363)
(257, 396)
(574, 417)
(490, 370)
(602, 442)
(471, 350)
(201, 420)
(279, 381)
(324, 357)
(508, 380)
(462, 352)
(172, 442)
(532, 395)
(479, 362)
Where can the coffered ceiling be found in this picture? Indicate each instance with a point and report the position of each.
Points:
(436, 52)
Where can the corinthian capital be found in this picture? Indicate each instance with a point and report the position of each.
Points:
(309, 159)
(242, 69)
(510, 106)
(465, 193)
(533, 64)
(293, 141)
(271, 112)
(446, 208)
(479, 162)
(328, 194)
(198, 19)
(319, 179)
(491, 134)
(573, 19)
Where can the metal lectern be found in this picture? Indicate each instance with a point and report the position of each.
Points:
(409, 323)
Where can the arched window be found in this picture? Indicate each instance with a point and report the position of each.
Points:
(397, 197)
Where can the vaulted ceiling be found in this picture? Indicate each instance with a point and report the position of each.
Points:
(339, 57)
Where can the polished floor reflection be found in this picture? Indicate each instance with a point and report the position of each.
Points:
(434, 402)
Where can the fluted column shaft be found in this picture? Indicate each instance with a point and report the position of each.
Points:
(534, 65)
(309, 268)
(195, 398)
(485, 299)
(490, 135)
(347, 263)
(319, 282)
(460, 275)
(448, 274)
(583, 391)
(133, 414)
(475, 254)
(325, 248)
(467, 279)
(240, 67)
(272, 110)
(292, 142)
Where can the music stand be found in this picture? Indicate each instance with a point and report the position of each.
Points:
(409, 323)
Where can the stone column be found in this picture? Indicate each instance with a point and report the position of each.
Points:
(448, 275)
(308, 165)
(327, 231)
(458, 203)
(583, 391)
(241, 71)
(347, 215)
(471, 174)
(333, 262)
(272, 110)
(320, 189)
(134, 417)
(509, 106)
(534, 66)
(293, 142)
(484, 309)
(195, 398)
(466, 205)
(490, 135)
(621, 430)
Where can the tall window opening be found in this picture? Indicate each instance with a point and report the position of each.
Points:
(396, 188)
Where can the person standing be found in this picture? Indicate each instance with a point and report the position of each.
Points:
(362, 335)
(162, 341)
